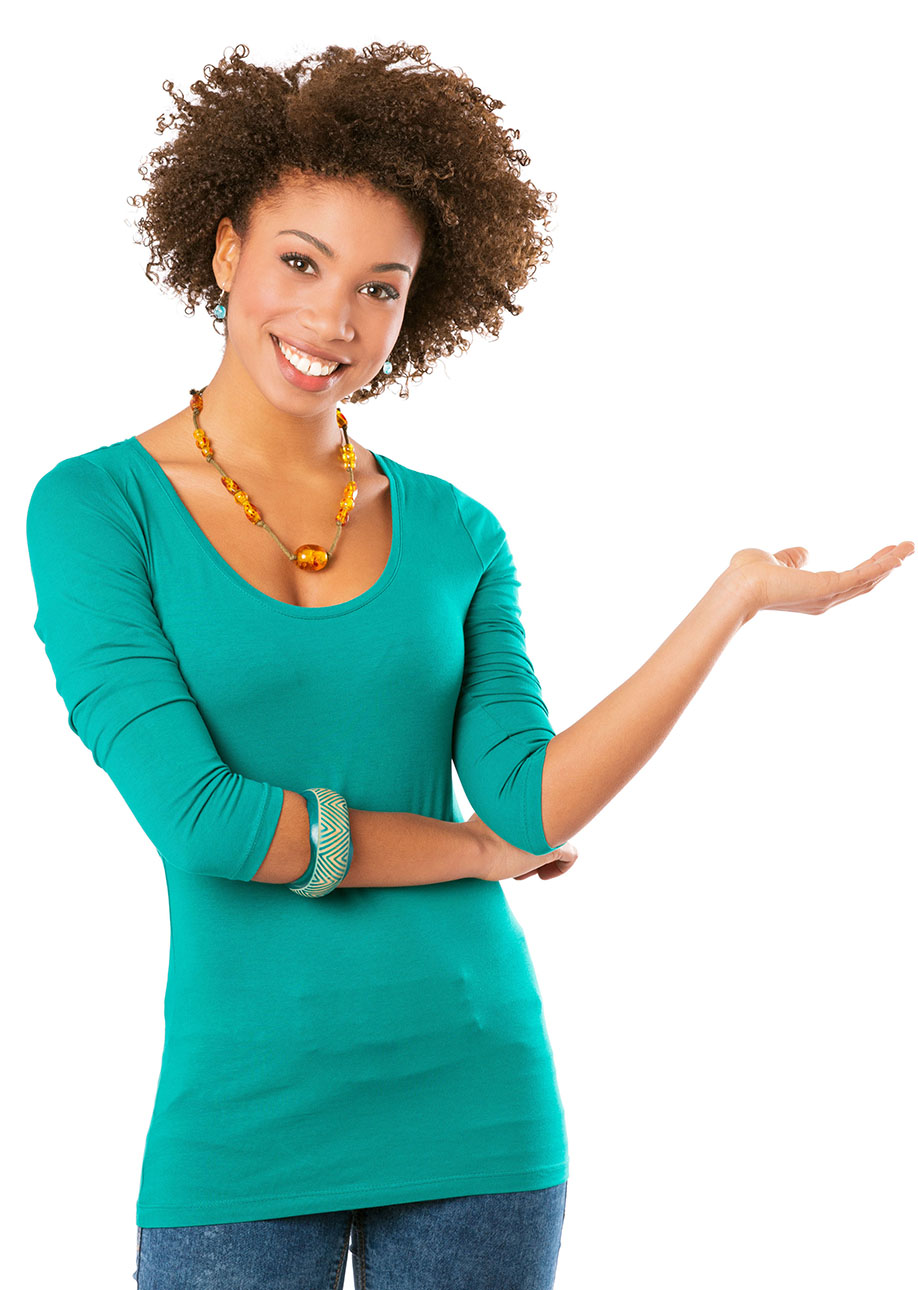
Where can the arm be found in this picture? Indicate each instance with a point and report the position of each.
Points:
(128, 702)
(587, 764)
(590, 762)
(501, 728)
(391, 848)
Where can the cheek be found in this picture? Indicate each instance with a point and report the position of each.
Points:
(395, 323)
(262, 296)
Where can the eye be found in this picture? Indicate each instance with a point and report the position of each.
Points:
(302, 263)
(383, 291)
(297, 261)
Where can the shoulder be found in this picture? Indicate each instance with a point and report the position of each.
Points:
(89, 483)
(481, 526)
(113, 460)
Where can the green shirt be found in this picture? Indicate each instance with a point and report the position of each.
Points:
(379, 1044)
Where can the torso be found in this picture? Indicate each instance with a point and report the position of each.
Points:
(298, 512)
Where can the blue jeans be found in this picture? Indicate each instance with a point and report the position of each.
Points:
(500, 1241)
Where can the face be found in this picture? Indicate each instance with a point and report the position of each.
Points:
(316, 290)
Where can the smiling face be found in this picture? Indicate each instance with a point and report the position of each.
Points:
(316, 289)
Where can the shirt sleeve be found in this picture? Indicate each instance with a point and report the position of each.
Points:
(502, 728)
(120, 680)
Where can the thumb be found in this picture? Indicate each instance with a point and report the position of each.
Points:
(792, 556)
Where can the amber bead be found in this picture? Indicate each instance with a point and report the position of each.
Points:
(347, 504)
(341, 419)
(311, 557)
(342, 517)
(241, 497)
(229, 484)
(251, 512)
(197, 402)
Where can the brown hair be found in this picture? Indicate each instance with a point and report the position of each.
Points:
(389, 115)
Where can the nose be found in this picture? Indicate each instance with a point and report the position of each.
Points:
(327, 316)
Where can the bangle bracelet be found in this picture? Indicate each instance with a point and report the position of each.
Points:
(330, 847)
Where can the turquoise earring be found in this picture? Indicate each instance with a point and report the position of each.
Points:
(387, 367)
(220, 309)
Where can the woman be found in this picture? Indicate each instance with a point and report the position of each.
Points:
(280, 709)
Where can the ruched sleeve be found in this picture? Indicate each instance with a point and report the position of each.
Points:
(119, 678)
(502, 728)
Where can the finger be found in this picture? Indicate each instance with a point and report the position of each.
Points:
(866, 574)
(861, 589)
(870, 571)
(891, 556)
(792, 556)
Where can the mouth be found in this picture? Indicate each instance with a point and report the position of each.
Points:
(305, 363)
(314, 373)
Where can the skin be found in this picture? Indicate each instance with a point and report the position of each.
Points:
(282, 442)
(341, 305)
(278, 441)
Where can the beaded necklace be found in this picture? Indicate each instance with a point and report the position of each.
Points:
(309, 556)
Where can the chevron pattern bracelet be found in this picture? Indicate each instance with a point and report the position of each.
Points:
(330, 847)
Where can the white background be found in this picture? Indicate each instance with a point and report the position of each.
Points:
(720, 354)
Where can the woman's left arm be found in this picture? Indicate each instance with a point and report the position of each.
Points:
(587, 764)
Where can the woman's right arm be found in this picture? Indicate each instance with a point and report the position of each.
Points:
(395, 849)
(128, 702)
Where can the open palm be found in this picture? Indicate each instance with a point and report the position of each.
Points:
(778, 581)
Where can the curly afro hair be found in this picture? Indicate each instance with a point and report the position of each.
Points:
(389, 115)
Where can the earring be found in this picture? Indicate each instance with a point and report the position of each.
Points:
(387, 367)
(220, 307)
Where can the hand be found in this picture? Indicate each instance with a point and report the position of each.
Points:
(778, 582)
(501, 860)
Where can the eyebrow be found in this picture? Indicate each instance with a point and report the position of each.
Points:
(326, 250)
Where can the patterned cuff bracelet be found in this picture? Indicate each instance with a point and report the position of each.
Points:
(330, 847)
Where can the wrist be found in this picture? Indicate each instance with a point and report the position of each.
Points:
(481, 841)
(736, 593)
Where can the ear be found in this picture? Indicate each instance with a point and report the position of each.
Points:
(226, 255)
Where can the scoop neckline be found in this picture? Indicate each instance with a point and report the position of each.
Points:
(284, 606)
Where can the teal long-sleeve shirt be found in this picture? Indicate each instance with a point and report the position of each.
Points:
(378, 1045)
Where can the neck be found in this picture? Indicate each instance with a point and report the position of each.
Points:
(256, 436)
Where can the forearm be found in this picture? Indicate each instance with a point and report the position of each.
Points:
(391, 848)
(587, 764)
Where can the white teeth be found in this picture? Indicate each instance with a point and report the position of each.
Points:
(303, 363)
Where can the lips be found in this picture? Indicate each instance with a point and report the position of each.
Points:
(304, 370)
(310, 362)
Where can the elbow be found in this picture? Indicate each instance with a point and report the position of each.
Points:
(203, 862)
(548, 823)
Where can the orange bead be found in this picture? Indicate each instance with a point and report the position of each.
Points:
(342, 517)
(311, 557)
(229, 483)
(241, 497)
(197, 401)
(251, 512)
(341, 419)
